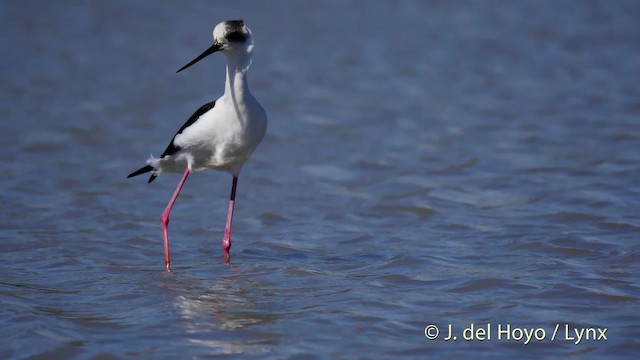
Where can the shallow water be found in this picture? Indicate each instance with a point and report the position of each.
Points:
(426, 163)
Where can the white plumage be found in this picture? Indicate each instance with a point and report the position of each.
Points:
(220, 135)
(223, 138)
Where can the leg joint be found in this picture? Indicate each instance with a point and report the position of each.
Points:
(164, 219)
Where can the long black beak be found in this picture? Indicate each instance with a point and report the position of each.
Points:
(209, 51)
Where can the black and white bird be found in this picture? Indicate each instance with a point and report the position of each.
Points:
(220, 135)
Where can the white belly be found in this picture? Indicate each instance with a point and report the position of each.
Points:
(223, 138)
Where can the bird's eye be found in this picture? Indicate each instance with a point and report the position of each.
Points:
(236, 36)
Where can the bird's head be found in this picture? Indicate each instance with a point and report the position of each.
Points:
(231, 37)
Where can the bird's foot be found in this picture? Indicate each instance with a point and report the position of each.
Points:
(226, 246)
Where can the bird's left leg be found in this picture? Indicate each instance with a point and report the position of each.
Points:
(164, 219)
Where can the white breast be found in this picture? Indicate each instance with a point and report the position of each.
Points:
(224, 137)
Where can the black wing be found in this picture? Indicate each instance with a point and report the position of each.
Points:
(173, 148)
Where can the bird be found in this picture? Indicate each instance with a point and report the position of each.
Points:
(221, 134)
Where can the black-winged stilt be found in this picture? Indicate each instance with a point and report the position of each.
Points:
(220, 135)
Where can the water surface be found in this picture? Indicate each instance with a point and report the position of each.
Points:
(426, 163)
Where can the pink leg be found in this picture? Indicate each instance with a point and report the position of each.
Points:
(226, 240)
(164, 219)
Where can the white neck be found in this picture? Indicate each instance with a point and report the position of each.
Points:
(237, 85)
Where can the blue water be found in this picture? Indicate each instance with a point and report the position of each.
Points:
(426, 163)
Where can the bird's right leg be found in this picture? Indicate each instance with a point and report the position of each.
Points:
(164, 219)
(226, 240)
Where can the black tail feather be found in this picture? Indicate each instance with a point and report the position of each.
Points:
(140, 171)
(143, 170)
